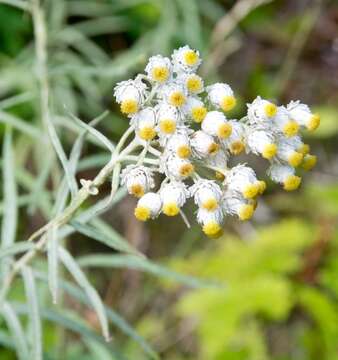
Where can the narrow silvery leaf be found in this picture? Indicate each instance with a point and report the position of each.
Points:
(10, 214)
(33, 313)
(92, 294)
(52, 253)
(19, 124)
(16, 330)
(16, 248)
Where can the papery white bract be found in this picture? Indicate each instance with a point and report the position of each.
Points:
(182, 127)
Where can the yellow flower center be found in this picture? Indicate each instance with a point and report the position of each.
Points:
(224, 130)
(213, 148)
(198, 113)
(177, 99)
(269, 151)
(309, 162)
(237, 147)
(137, 190)
(228, 103)
(129, 106)
(219, 176)
(186, 170)
(160, 73)
(167, 126)
(210, 204)
(142, 213)
(250, 191)
(194, 84)
(290, 129)
(304, 149)
(190, 57)
(246, 211)
(295, 159)
(314, 122)
(147, 133)
(170, 209)
(183, 151)
(292, 182)
(211, 228)
(270, 110)
(261, 186)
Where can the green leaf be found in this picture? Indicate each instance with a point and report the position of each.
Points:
(10, 215)
(53, 262)
(92, 294)
(16, 330)
(33, 313)
(16, 248)
(114, 241)
(138, 263)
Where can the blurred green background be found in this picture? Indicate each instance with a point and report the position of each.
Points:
(280, 270)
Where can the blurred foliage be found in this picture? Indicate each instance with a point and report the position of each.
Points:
(273, 284)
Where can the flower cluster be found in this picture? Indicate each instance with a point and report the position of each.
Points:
(183, 125)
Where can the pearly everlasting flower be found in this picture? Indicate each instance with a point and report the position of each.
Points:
(195, 109)
(287, 152)
(130, 95)
(216, 124)
(221, 96)
(211, 221)
(285, 175)
(181, 132)
(186, 59)
(159, 69)
(285, 123)
(145, 123)
(261, 110)
(207, 194)
(203, 144)
(138, 179)
(242, 179)
(179, 143)
(173, 196)
(262, 143)
(168, 118)
(236, 141)
(148, 206)
(236, 205)
(176, 168)
(302, 114)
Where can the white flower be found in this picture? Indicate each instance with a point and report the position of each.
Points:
(287, 152)
(242, 179)
(174, 93)
(130, 95)
(145, 123)
(211, 221)
(173, 196)
(194, 108)
(138, 179)
(261, 110)
(221, 96)
(263, 143)
(186, 59)
(207, 194)
(216, 124)
(159, 68)
(148, 206)
(285, 175)
(203, 144)
(179, 143)
(284, 122)
(235, 205)
(192, 82)
(303, 115)
(235, 142)
(175, 167)
(168, 118)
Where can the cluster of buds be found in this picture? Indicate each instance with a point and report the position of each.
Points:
(183, 126)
